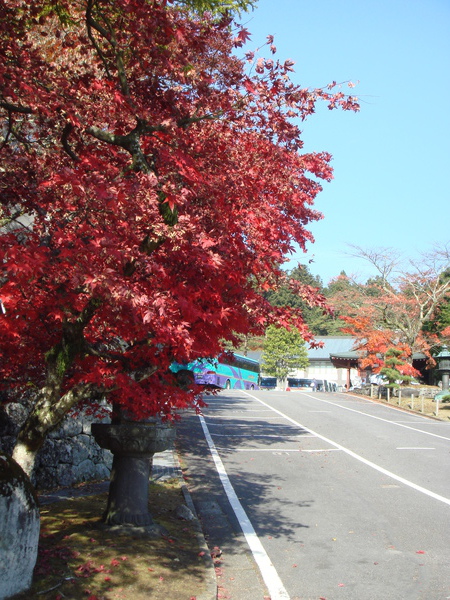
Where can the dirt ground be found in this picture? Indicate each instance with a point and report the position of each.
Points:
(79, 560)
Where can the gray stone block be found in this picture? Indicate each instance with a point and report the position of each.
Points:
(82, 447)
(65, 475)
(19, 529)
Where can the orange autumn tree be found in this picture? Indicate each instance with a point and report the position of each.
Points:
(393, 309)
(376, 345)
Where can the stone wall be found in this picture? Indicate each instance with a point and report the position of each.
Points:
(69, 455)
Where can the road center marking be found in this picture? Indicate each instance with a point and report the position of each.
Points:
(416, 448)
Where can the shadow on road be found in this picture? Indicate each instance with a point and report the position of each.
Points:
(240, 440)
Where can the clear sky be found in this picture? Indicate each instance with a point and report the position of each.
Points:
(392, 159)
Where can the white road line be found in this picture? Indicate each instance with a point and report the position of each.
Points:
(417, 448)
(323, 450)
(268, 571)
(360, 458)
(218, 408)
(261, 450)
(262, 435)
(411, 422)
(442, 437)
(259, 410)
(238, 417)
(245, 426)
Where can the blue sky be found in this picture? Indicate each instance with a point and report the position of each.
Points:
(392, 160)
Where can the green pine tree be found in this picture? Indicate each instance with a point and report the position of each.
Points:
(390, 370)
(319, 321)
(284, 350)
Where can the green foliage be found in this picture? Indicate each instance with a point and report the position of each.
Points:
(374, 287)
(341, 283)
(441, 317)
(390, 370)
(318, 320)
(284, 351)
(219, 6)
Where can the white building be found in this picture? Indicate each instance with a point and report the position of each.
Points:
(335, 362)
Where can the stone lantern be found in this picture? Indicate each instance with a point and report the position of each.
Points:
(443, 362)
(133, 444)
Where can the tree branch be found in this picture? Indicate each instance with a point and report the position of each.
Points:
(90, 22)
(64, 139)
(14, 108)
(109, 36)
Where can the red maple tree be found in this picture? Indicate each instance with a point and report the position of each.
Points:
(152, 184)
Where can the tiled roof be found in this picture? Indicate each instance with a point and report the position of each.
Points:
(334, 345)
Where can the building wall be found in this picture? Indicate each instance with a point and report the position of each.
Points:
(320, 365)
(323, 369)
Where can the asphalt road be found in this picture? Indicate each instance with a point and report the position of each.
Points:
(321, 496)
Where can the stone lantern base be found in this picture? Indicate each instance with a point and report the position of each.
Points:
(133, 445)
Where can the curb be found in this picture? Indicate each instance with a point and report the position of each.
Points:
(211, 579)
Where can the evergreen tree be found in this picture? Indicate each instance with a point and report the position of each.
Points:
(392, 369)
(284, 350)
(440, 324)
(319, 320)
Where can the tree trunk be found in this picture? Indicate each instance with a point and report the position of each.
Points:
(25, 456)
(46, 414)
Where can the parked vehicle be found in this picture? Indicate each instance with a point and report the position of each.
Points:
(299, 384)
(267, 383)
(228, 372)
